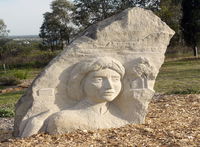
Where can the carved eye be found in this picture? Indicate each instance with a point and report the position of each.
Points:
(115, 79)
(98, 79)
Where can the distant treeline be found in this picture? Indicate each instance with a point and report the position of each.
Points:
(67, 19)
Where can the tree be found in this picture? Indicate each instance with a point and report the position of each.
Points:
(57, 27)
(191, 23)
(3, 39)
(170, 12)
(147, 4)
(88, 12)
(3, 30)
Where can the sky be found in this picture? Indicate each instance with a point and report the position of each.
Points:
(23, 17)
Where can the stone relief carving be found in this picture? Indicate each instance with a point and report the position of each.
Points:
(98, 82)
(143, 73)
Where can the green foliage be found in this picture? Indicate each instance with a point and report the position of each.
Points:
(191, 22)
(170, 12)
(9, 81)
(15, 48)
(2, 87)
(12, 48)
(21, 74)
(7, 102)
(178, 51)
(3, 31)
(147, 4)
(3, 41)
(5, 112)
(20, 54)
(12, 77)
(88, 12)
(57, 27)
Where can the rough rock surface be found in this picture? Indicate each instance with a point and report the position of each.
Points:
(103, 79)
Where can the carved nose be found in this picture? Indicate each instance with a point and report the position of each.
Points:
(108, 84)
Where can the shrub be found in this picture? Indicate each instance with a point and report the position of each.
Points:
(21, 74)
(9, 81)
(5, 112)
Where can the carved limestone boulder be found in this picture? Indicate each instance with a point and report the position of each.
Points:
(103, 79)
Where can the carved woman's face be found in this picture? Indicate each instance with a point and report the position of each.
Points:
(103, 85)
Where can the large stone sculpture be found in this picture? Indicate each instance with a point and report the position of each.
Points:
(103, 79)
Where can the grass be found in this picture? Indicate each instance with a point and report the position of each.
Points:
(8, 100)
(179, 77)
(17, 74)
(7, 103)
(23, 73)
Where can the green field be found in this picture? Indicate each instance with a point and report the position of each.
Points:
(8, 100)
(175, 77)
(7, 103)
(21, 73)
(179, 77)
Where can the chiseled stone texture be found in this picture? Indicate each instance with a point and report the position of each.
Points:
(103, 79)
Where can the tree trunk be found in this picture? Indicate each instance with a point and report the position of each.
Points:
(195, 50)
(4, 67)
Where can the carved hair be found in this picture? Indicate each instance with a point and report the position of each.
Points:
(82, 69)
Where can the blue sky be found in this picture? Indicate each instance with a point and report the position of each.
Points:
(23, 17)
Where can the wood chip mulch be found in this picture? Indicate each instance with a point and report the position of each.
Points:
(172, 121)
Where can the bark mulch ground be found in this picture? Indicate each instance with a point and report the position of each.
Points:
(172, 121)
